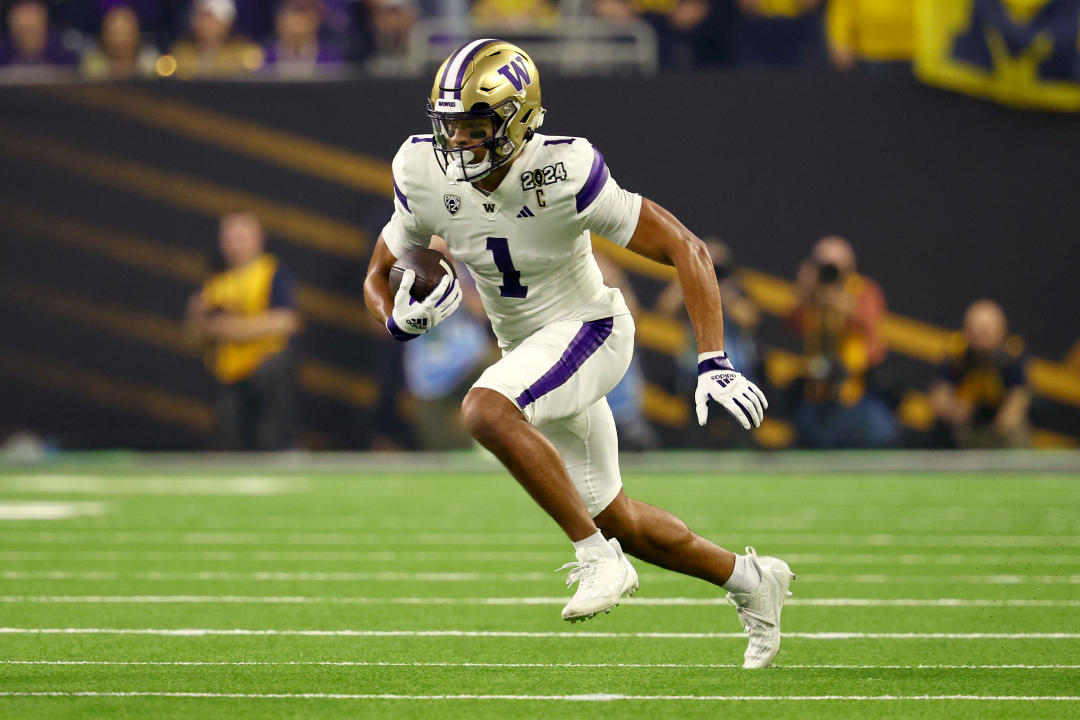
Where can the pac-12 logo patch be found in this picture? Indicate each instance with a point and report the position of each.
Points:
(452, 203)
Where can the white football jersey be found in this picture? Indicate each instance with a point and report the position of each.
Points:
(527, 244)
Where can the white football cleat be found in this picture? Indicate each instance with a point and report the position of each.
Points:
(759, 610)
(602, 581)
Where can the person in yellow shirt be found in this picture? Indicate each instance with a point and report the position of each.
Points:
(214, 49)
(871, 33)
(245, 317)
(981, 397)
(839, 317)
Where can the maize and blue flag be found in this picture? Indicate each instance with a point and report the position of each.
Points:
(1024, 53)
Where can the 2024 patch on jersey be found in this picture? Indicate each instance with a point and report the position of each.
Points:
(527, 244)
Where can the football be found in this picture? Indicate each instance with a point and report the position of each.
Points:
(429, 265)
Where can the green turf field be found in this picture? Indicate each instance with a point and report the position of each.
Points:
(178, 592)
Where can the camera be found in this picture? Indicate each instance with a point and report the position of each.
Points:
(828, 273)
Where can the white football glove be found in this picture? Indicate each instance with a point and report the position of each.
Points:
(718, 379)
(411, 319)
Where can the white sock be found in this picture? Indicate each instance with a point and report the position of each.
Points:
(744, 578)
(595, 540)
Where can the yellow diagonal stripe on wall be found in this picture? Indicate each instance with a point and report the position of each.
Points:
(139, 398)
(316, 377)
(294, 224)
(189, 266)
(286, 149)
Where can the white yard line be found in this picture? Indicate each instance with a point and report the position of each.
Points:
(673, 666)
(38, 510)
(438, 577)
(153, 485)
(240, 632)
(520, 556)
(390, 539)
(598, 697)
(659, 601)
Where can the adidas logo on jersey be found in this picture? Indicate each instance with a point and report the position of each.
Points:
(525, 212)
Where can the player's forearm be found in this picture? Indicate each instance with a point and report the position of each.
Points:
(377, 297)
(698, 281)
(661, 237)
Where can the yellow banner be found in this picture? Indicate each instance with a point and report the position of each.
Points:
(1024, 53)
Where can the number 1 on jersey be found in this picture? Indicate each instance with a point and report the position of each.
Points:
(511, 287)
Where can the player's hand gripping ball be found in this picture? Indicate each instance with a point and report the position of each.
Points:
(718, 380)
(426, 291)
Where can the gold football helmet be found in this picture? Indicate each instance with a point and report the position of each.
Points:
(485, 80)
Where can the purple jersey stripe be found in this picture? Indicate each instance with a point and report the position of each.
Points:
(564, 141)
(598, 177)
(588, 340)
(465, 64)
(401, 196)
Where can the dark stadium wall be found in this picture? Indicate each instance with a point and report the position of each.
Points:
(946, 200)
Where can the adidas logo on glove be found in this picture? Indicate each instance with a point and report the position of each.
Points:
(724, 379)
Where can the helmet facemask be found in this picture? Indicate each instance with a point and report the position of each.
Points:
(459, 163)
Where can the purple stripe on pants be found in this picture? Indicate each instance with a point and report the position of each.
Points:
(588, 340)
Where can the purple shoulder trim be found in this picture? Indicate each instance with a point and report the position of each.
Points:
(598, 177)
(414, 139)
(564, 141)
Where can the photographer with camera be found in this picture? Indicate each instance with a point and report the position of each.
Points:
(981, 397)
(839, 317)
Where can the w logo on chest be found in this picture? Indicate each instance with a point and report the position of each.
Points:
(516, 72)
(489, 207)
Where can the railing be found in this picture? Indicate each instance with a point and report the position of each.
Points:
(572, 45)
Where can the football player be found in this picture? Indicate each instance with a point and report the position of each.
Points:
(517, 208)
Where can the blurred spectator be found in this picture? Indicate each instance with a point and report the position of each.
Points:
(742, 318)
(839, 317)
(981, 396)
(29, 43)
(120, 52)
(515, 13)
(442, 364)
(779, 33)
(213, 48)
(389, 23)
(871, 34)
(157, 18)
(246, 317)
(297, 50)
(679, 24)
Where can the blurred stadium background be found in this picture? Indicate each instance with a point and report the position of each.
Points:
(744, 118)
(940, 138)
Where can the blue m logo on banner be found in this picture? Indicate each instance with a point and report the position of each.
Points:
(1049, 37)
(1020, 52)
(516, 72)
